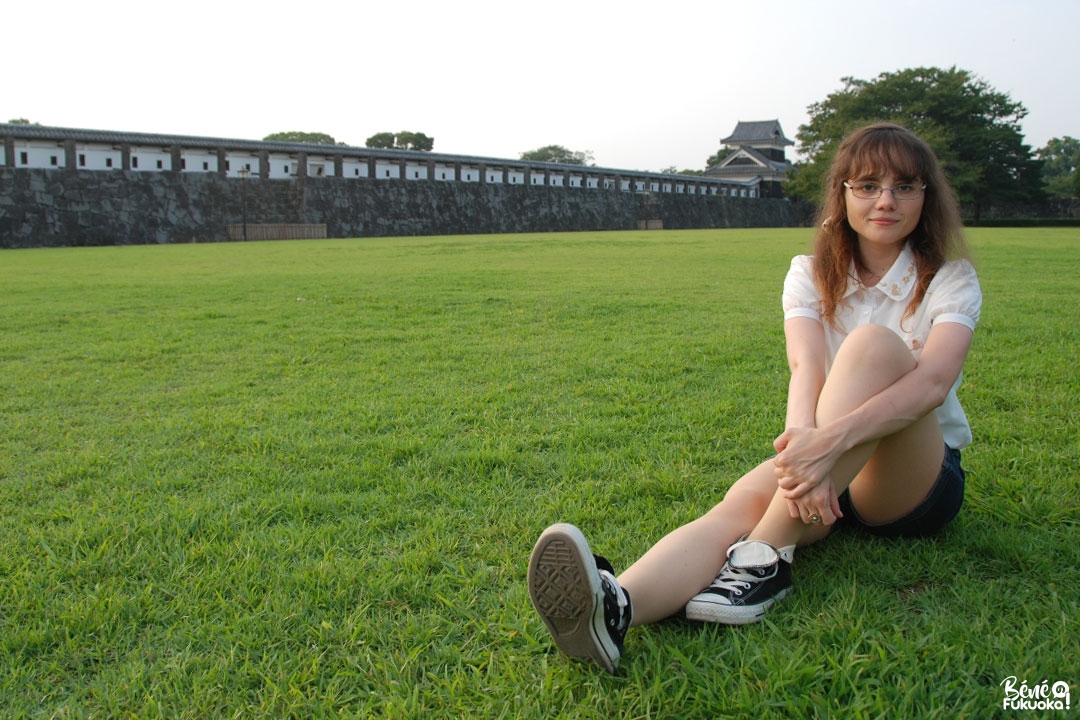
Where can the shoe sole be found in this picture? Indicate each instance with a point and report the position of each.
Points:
(705, 611)
(564, 586)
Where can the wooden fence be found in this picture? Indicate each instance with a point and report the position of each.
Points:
(276, 231)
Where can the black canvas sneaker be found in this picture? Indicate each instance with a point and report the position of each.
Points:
(576, 594)
(754, 577)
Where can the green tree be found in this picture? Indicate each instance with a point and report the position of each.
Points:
(383, 141)
(716, 159)
(673, 170)
(314, 138)
(974, 129)
(404, 140)
(559, 154)
(21, 121)
(1061, 162)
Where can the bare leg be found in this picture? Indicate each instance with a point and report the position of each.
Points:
(687, 559)
(887, 478)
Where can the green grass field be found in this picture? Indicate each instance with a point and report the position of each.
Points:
(303, 479)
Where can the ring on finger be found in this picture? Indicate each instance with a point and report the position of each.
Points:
(815, 519)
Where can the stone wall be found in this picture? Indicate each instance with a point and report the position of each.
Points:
(46, 208)
(1014, 211)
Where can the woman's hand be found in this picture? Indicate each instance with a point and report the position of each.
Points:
(820, 502)
(805, 458)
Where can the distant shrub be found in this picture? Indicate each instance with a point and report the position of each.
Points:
(1028, 222)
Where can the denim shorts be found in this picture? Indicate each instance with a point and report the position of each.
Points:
(939, 507)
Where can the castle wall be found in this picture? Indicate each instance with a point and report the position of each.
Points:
(49, 208)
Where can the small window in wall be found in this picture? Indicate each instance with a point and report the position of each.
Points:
(53, 160)
(159, 165)
(387, 173)
(205, 165)
(183, 163)
(443, 176)
(134, 161)
(247, 166)
(357, 172)
(108, 162)
(82, 160)
(23, 159)
(228, 165)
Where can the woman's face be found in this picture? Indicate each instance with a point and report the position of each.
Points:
(886, 220)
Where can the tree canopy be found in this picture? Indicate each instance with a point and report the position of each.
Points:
(974, 129)
(674, 170)
(404, 140)
(716, 159)
(297, 136)
(559, 154)
(1061, 163)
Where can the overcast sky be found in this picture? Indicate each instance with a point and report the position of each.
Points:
(643, 85)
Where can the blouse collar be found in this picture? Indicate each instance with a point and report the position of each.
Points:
(897, 283)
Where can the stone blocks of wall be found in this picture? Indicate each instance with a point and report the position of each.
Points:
(47, 208)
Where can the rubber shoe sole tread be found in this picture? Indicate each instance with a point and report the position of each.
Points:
(566, 591)
(702, 610)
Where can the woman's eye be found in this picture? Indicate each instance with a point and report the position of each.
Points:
(905, 188)
(869, 187)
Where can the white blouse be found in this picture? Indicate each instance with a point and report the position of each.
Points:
(953, 296)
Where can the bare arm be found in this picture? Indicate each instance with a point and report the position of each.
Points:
(806, 354)
(912, 396)
(808, 457)
(807, 359)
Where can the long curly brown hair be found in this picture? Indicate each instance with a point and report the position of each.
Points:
(876, 151)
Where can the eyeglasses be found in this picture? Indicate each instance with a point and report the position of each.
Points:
(872, 190)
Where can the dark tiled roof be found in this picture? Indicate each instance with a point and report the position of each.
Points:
(40, 132)
(58, 134)
(765, 168)
(760, 157)
(757, 132)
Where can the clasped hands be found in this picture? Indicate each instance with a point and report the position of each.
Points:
(805, 458)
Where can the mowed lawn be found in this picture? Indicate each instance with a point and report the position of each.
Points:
(303, 479)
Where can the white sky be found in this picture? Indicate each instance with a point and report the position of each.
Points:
(643, 85)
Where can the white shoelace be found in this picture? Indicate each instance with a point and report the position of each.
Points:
(735, 581)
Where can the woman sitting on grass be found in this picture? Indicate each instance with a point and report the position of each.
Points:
(877, 325)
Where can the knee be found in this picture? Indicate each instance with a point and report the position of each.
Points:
(876, 345)
(873, 336)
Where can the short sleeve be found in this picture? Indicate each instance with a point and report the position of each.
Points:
(801, 298)
(954, 295)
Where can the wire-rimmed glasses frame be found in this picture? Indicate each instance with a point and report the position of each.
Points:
(872, 190)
